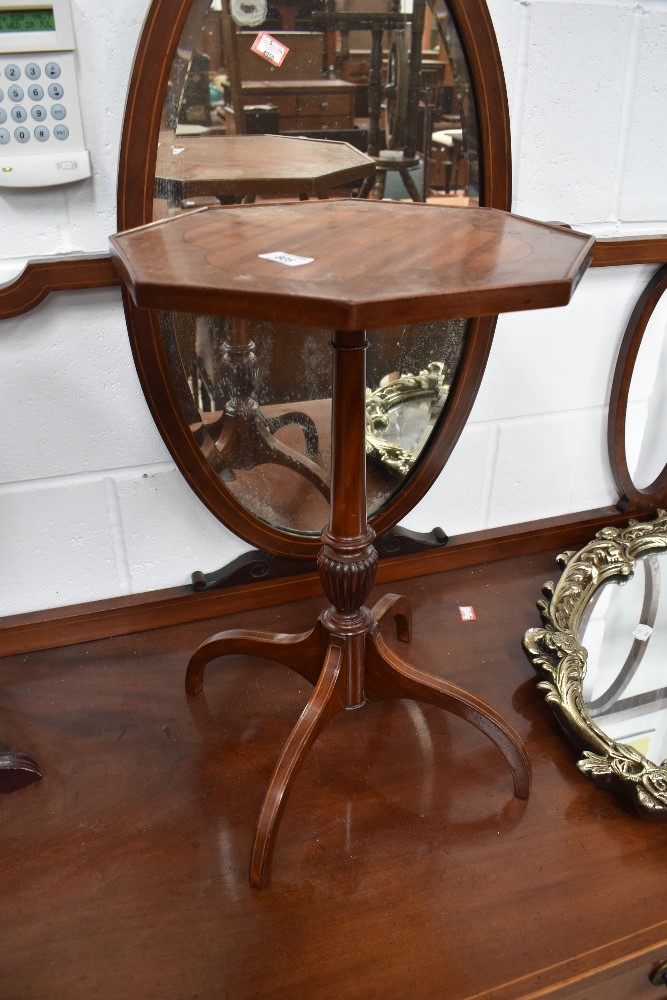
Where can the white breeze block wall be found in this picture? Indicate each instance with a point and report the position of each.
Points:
(91, 504)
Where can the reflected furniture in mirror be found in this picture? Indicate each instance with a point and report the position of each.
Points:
(601, 659)
(224, 262)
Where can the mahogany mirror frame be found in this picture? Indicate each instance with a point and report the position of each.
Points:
(634, 499)
(162, 31)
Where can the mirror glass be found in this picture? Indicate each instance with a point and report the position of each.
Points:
(647, 402)
(285, 100)
(625, 635)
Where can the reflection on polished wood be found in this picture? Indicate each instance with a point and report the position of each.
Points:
(495, 262)
(246, 166)
(404, 867)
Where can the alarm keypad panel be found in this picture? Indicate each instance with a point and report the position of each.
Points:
(41, 133)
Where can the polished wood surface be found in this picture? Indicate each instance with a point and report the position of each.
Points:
(452, 262)
(132, 613)
(405, 867)
(248, 165)
(56, 274)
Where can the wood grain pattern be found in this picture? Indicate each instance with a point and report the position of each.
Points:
(617, 251)
(453, 262)
(404, 868)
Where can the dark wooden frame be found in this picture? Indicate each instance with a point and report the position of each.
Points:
(163, 28)
(633, 498)
(55, 274)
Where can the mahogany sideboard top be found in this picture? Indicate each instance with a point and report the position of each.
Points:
(398, 875)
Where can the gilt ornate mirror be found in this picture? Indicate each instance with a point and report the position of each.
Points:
(601, 657)
(238, 100)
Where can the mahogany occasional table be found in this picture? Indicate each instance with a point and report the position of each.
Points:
(368, 264)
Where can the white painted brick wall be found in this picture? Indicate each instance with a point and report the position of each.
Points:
(91, 505)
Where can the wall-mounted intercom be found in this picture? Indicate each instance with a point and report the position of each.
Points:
(41, 135)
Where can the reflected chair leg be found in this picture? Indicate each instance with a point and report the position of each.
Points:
(388, 676)
(301, 652)
(327, 700)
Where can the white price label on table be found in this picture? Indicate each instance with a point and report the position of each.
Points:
(289, 259)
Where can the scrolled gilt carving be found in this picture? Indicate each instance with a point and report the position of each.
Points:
(560, 660)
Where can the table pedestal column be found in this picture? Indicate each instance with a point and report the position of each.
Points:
(344, 655)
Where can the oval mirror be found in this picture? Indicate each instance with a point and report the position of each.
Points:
(601, 659)
(236, 101)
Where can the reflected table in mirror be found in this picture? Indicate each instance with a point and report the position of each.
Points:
(601, 657)
(350, 265)
(244, 167)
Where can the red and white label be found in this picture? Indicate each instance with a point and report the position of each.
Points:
(269, 48)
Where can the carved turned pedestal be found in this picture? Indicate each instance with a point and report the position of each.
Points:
(370, 265)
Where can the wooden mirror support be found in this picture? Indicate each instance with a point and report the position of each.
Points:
(456, 261)
(163, 32)
(635, 499)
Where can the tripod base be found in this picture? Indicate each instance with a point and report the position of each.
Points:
(347, 670)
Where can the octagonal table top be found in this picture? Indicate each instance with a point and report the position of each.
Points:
(244, 165)
(350, 264)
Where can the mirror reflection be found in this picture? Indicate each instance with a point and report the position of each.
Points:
(625, 634)
(285, 100)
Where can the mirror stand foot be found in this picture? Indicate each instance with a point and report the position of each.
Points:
(17, 771)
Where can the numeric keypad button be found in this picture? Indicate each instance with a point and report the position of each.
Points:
(35, 92)
(15, 93)
(33, 71)
(38, 113)
(21, 134)
(4, 137)
(41, 133)
(3, 116)
(12, 71)
(56, 91)
(19, 114)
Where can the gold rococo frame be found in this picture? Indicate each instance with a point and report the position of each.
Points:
(560, 659)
